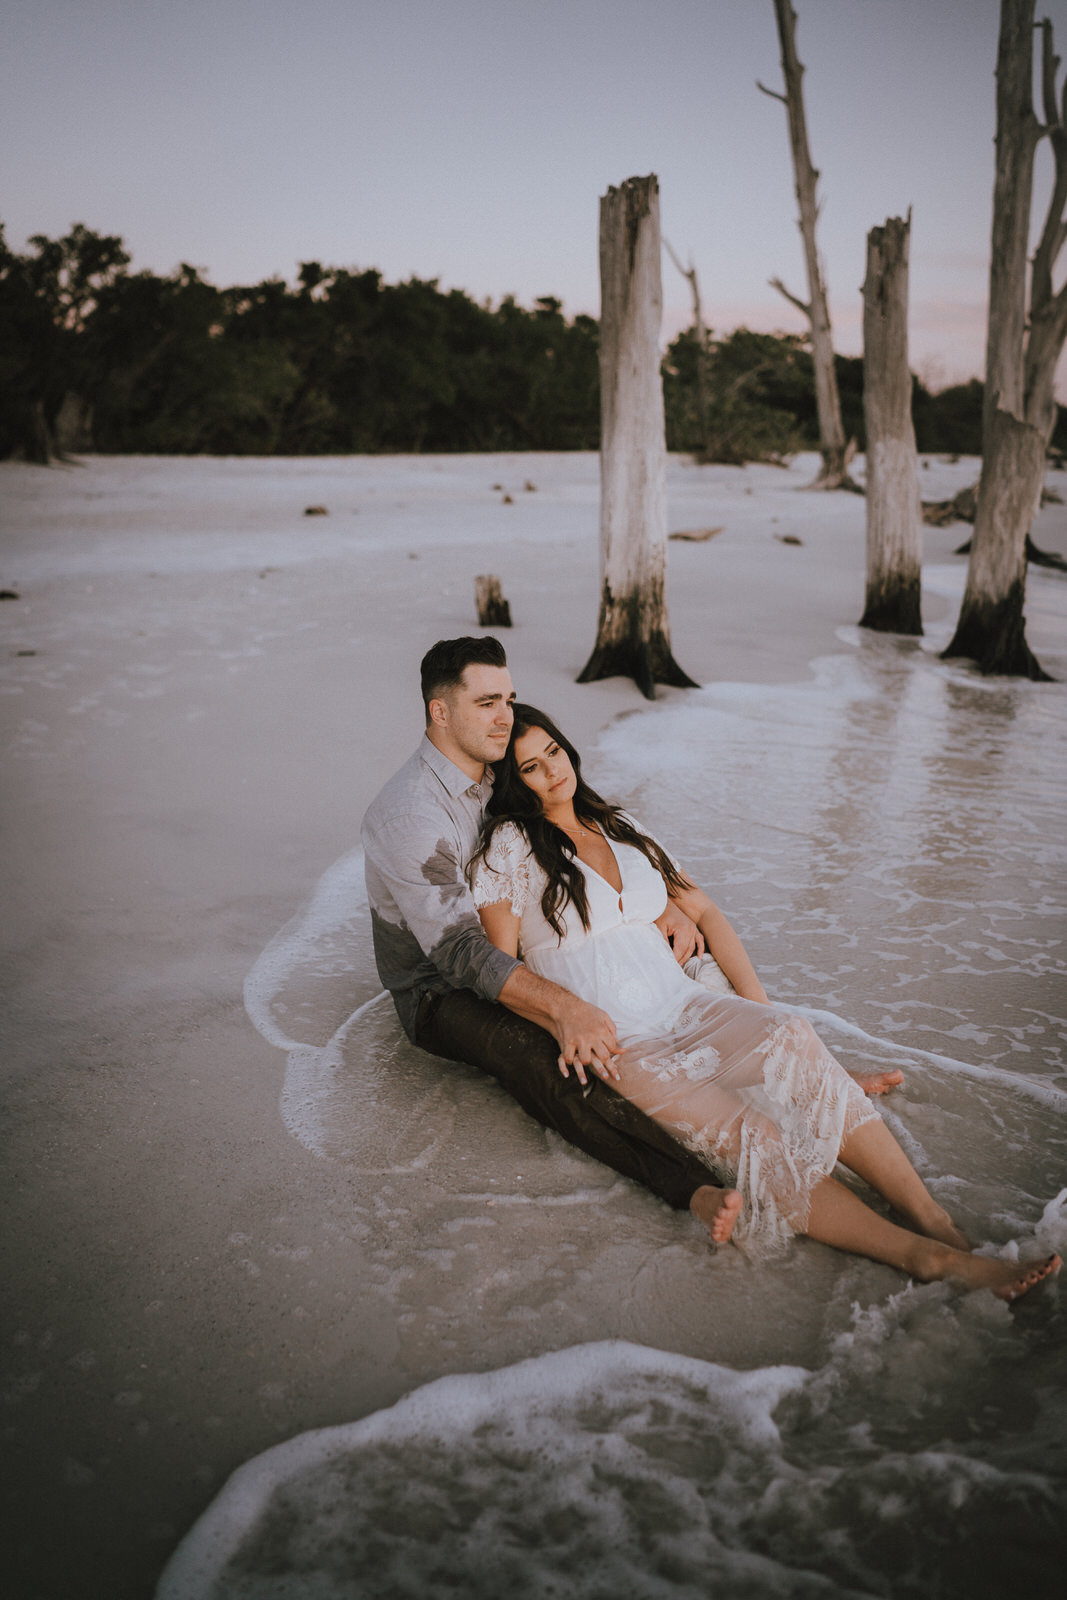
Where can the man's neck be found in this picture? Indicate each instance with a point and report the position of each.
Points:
(475, 770)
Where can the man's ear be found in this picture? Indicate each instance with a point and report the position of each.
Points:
(439, 713)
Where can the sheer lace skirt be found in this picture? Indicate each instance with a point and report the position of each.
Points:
(756, 1094)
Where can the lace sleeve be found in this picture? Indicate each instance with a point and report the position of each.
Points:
(506, 872)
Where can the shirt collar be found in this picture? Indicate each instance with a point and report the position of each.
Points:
(454, 778)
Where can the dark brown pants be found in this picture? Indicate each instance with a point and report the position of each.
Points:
(524, 1059)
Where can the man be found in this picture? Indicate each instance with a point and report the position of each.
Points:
(460, 997)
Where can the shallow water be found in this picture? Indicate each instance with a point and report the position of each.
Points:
(888, 838)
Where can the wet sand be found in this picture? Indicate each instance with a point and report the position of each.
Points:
(202, 689)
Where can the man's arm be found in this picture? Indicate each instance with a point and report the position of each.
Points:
(416, 859)
(585, 1034)
(416, 881)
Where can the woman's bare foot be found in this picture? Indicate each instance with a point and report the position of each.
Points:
(1009, 1280)
(718, 1210)
(935, 1223)
(876, 1083)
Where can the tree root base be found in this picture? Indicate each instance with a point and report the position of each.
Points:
(647, 662)
(993, 636)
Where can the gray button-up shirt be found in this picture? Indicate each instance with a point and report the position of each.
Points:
(418, 835)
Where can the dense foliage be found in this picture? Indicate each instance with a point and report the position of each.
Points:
(93, 356)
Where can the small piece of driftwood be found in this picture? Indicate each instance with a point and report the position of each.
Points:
(493, 610)
(696, 534)
(961, 508)
(316, 511)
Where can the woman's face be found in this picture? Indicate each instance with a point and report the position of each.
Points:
(545, 767)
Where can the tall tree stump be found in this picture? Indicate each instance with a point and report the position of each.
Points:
(894, 507)
(1019, 410)
(991, 629)
(633, 635)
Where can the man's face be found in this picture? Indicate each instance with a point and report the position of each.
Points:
(477, 715)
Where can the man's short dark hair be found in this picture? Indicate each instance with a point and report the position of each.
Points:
(444, 664)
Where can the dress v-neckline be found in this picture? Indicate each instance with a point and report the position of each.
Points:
(620, 891)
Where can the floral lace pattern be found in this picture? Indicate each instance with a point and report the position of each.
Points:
(508, 872)
(697, 1066)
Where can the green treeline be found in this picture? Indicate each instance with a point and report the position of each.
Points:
(95, 357)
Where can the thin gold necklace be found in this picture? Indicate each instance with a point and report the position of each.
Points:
(585, 832)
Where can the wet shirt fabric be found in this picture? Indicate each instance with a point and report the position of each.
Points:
(418, 835)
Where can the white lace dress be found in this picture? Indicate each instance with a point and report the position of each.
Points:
(750, 1088)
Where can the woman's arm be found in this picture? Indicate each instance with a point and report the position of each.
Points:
(501, 926)
(722, 942)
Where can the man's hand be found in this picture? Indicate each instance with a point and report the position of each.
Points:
(586, 1037)
(681, 933)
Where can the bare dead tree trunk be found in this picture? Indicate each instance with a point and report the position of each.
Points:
(633, 636)
(1019, 409)
(700, 334)
(37, 437)
(991, 629)
(894, 509)
(835, 453)
(1048, 311)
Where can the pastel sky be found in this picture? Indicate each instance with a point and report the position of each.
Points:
(469, 141)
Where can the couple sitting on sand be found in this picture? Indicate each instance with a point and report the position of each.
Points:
(528, 927)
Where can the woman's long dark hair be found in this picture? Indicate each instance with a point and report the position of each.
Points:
(512, 800)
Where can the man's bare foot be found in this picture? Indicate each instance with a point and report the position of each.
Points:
(1009, 1280)
(718, 1210)
(876, 1083)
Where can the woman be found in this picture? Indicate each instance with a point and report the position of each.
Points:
(574, 886)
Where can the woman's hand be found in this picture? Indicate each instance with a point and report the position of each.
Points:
(680, 932)
(722, 942)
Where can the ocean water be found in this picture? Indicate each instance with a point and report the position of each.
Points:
(614, 1409)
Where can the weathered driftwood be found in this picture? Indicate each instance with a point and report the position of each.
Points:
(961, 508)
(493, 610)
(1021, 353)
(834, 470)
(894, 517)
(633, 635)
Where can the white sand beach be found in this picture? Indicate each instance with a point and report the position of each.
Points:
(225, 1227)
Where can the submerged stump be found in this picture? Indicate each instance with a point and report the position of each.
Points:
(493, 610)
